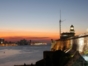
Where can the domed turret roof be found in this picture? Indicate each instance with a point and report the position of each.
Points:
(72, 26)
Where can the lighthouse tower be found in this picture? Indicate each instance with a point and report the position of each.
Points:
(72, 29)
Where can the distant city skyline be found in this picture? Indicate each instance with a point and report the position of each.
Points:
(40, 18)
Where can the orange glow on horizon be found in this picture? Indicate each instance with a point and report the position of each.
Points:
(28, 34)
(25, 34)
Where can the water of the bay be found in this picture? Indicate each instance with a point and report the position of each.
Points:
(16, 55)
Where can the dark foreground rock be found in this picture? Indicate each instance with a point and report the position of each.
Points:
(59, 58)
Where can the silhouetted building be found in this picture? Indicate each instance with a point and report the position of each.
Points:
(1, 41)
(22, 42)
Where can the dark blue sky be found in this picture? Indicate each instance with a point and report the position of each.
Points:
(43, 16)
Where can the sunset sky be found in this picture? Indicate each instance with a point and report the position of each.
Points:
(40, 18)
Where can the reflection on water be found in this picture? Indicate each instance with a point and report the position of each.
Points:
(6, 53)
(10, 56)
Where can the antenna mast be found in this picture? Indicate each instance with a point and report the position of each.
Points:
(60, 23)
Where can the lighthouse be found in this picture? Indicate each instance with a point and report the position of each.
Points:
(72, 29)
